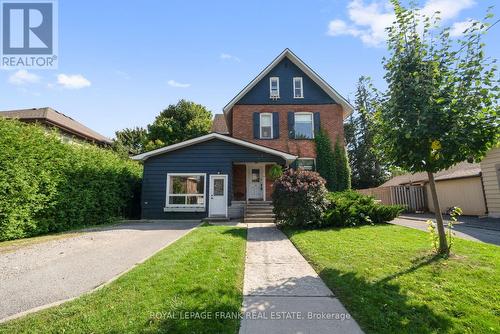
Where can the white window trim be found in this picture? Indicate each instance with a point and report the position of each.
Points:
(277, 85)
(301, 88)
(312, 124)
(186, 207)
(260, 125)
(314, 162)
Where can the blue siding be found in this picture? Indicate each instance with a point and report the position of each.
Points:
(211, 157)
(286, 70)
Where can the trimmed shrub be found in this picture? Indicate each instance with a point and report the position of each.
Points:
(299, 198)
(50, 186)
(350, 208)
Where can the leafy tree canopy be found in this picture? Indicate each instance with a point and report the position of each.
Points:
(441, 106)
(179, 122)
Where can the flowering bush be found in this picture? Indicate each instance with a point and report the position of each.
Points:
(300, 198)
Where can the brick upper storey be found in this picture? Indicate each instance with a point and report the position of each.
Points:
(284, 106)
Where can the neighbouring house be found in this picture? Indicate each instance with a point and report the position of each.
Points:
(273, 120)
(490, 168)
(69, 129)
(474, 187)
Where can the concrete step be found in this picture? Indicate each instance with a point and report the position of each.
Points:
(252, 212)
(258, 220)
(260, 215)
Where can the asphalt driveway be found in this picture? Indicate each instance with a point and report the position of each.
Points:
(470, 228)
(56, 270)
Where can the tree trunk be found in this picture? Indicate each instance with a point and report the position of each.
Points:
(443, 244)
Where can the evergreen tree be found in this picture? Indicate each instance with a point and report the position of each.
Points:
(325, 160)
(341, 167)
(367, 169)
(332, 162)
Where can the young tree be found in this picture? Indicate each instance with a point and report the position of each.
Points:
(367, 169)
(179, 122)
(441, 106)
(131, 140)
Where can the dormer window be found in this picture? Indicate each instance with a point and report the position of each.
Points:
(274, 87)
(298, 90)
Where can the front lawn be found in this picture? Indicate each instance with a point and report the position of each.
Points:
(202, 272)
(389, 282)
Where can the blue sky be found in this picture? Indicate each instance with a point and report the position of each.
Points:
(121, 63)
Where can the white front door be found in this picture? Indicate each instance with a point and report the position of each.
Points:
(255, 181)
(218, 196)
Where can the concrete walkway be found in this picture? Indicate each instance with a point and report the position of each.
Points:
(45, 273)
(283, 293)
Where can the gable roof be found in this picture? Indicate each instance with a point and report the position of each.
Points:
(197, 140)
(58, 120)
(219, 124)
(460, 170)
(348, 108)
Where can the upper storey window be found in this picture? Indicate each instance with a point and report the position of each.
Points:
(266, 126)
(274, 87)
(304, 125)
(298, 89)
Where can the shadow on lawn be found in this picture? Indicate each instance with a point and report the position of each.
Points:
(381, 306)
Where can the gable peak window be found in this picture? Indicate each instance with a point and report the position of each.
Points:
(298, 88)
(304, 125)
(274, 87)
(266, 126)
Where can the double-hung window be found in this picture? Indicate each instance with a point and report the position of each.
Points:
(298, 89)
(266, 126)
(274, 87)
(304, 125)
(185, 192)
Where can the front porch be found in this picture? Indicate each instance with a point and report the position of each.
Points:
(250, 184)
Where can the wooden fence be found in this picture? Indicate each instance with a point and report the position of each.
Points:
(413, 197)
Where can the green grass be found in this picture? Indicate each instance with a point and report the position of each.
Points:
(389, 281)
(201, 272)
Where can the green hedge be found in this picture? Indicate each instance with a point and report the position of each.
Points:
(349, 208)
(49, 186)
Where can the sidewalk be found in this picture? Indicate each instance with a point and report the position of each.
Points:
(283, 293)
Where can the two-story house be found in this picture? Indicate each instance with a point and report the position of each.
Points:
(273, 120)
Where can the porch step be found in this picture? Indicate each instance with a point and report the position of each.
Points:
(259, 212)
(258, 220)
(260, 215)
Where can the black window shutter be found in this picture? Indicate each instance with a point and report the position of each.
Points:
(276, 125)
(317, 123)
(291, 125)
(256, 125)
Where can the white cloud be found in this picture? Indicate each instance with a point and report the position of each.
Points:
(227, 56)
(458, 28)
(176, 84)
(369, 21)
(73, 81)
(23, 77)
